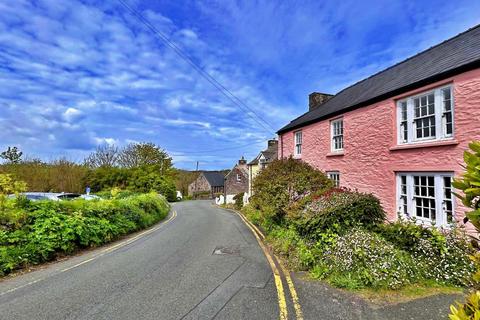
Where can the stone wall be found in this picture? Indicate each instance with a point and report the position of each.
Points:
(232, 184)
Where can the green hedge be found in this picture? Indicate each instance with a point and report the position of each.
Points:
(338, 210)
(49, 228)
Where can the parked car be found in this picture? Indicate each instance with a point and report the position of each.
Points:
(90, 197)
(36, 196)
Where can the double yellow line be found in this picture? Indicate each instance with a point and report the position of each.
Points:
(282, 301)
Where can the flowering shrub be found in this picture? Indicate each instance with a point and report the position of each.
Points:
(339, 210)
(370, 260)
(450, 265)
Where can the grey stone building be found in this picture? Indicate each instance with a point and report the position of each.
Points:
(236, 181)
(207, 185)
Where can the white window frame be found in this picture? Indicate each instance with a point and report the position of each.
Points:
(440, 120)
(238, 177)
(335, 177)
(440, 200)
(334, 135)
(298, 141)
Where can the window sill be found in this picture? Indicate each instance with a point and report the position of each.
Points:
(424, 145)
(335, 154)
(297, 156)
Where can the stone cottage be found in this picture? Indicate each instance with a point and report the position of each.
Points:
(207, 185)
(236, 181)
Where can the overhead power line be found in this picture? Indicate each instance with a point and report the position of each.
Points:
(227, 93)
(180, 153)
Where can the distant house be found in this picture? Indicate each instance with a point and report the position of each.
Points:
(236, 181)
(261, 161)
(207, 185)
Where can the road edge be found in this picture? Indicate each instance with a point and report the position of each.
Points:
(272, 258)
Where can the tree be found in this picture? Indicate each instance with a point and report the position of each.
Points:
(283, 182)
(104, 156)
(9, 186)
(12, 155)
(145, 154)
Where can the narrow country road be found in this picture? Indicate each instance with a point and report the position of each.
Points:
(202, 263)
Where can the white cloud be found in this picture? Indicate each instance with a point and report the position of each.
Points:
(72, 114)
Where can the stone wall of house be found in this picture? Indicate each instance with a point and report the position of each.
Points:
(199, 185)
(236, 181)
(371, 156)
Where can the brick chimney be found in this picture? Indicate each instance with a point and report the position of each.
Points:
(272, 142)
(316, 99)
(242, 162)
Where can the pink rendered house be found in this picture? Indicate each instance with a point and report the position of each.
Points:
(401, 133)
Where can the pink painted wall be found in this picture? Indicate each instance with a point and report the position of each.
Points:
(369, 164)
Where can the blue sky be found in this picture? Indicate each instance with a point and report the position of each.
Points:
(76, 74)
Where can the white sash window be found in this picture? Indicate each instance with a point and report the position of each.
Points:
(426, 196)
(426, 117)
(298, 143)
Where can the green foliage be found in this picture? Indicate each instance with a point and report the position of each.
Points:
(51, 228)
(149, 178)
(9, 186)
(279, 186)
(56, 176)
(470, 310)
(469, 184)
(239, 200)
(137, 180)
(136, 155)
(370, 260)
(408, 235)
(339, 210)
(12, 155)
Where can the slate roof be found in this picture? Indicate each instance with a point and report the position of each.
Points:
(270, 154)
(456, 55)
(214, 178)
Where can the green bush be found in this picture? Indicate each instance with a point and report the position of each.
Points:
(51, 228)
(239, 200)
(408, 235)
(469, 184)
(339, 210)
(283, 183)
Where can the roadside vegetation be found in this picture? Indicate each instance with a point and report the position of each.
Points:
(138, 167)
(341, 236)
(40, 231)
(469, 184)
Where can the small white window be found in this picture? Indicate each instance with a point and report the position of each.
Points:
(298, 143)
(426, 117)
(335, 177)
(337, 134)
(426, 197)
(239, 177)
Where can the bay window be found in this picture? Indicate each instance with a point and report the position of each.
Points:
(426, 117)
(426, 197)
